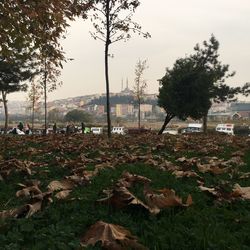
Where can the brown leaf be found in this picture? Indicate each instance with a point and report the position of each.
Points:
(243, 192)
(204, 168)
(128, 180)
(14, 213)
(63, 194)
(60, 185)
(166, 198)
(209, 190)
(33, 208)
(180, 174)
(112, 237)
(121, 197)
(28, 192)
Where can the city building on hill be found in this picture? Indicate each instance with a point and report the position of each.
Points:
(123, 110)
(147, 108)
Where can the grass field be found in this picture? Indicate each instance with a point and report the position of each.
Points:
(214, 170)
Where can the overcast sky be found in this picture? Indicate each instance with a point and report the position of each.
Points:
(175, 26)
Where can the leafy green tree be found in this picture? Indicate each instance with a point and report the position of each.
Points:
(77, 115)
(189, 89)
(206, 60)
(23, 22)
(38, 26)
(181, 92)
(112, 20)
(12, 77)
(140, 86)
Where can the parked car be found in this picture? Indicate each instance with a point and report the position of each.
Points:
(171, 131)
(227, 128)
(193, 128)
(96, 130)
(118, 130)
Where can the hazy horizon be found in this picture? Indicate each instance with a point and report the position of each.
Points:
(175, 28)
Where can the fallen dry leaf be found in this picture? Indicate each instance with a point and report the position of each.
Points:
(165, 198)
(60, 185)
(180, 174)
(112, 237)
(121, 197)
(128, 180)
(28, 191)
(243, 192)
(63, 194)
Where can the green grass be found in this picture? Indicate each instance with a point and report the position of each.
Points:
(204, 225)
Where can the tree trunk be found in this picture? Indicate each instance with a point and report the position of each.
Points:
(107, 43)
(45, 108)
(45, 97)
(167, 120)
(33, 117)
(204, 120)
(139, 115)
(5, 112)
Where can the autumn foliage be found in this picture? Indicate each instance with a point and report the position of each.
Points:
(89, 184)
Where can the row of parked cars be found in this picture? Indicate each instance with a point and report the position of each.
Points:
(226, 128)
(115, 130)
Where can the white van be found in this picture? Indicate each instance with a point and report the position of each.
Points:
(96, 130)
(171, 131)
(118, 130)
(227, 128)
(193, 128)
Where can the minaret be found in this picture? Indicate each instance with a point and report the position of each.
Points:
(122, 84)
(127, 84)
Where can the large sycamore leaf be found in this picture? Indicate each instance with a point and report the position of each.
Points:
(28, 191)
(243, 192)
(180, 174)
(164, 198)
(63, 194)
(111, 237)
(128, 180)
(24, 211)
(60, 185)
(219, 193)
(121, 197)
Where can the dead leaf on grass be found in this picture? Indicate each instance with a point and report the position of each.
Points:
(243, 192)
(121, 197)
(164, 198)
(28, 191)
(180, 174)
(112, 237)
(60, 185)
(63, 194)
(128, 180)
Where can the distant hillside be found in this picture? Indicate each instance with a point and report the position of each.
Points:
(119, 99)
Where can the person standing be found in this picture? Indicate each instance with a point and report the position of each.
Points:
(20, 126)
(83, 127)
(54, 128)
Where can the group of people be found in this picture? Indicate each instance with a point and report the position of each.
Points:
(70, 128)
(20, 128)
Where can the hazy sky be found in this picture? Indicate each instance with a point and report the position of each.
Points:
(175, 26)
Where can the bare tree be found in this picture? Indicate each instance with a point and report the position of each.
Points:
(49, 82)
(140, 86)
(112, 20)
(34, 96)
